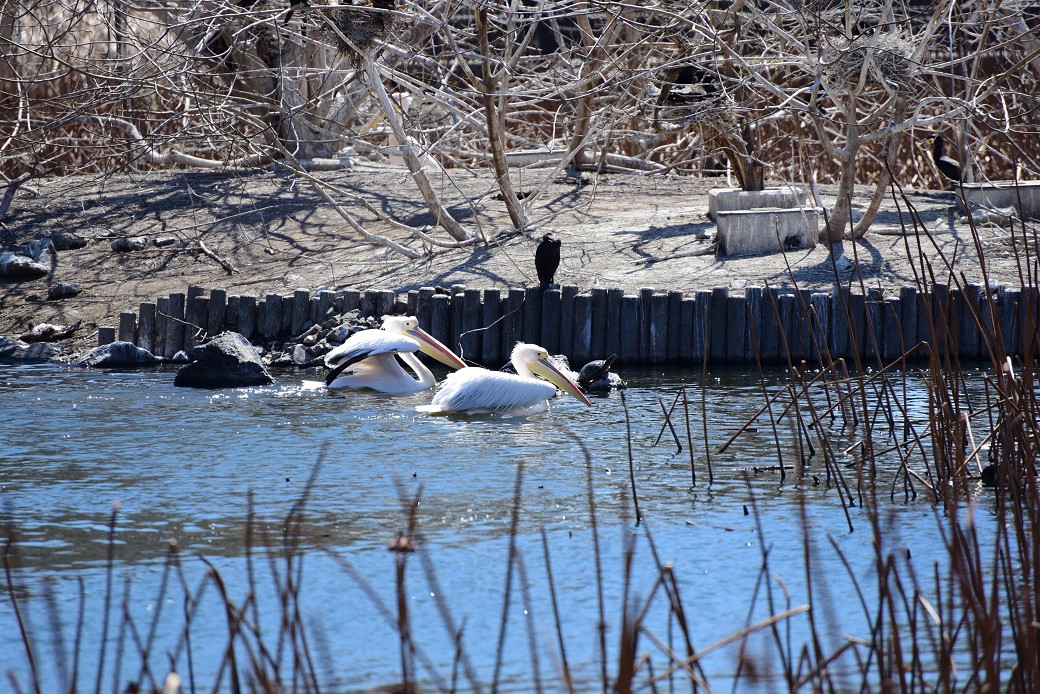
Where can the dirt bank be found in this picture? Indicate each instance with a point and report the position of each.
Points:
(278, 234)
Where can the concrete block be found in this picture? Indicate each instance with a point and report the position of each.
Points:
(732, 199)
(1003, 194)
(767, 230)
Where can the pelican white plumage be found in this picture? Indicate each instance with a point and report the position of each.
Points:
(474, 390)
(369, 358)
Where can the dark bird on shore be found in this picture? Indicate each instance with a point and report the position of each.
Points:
(547, 260)
(947, 166)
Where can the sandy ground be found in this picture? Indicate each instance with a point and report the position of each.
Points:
(625, 231)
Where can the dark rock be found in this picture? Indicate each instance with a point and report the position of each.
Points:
(116, 355)
(12, 349)
(181, 357)
(67, 241)
(226, 361)
(21, 266)
(42, 251)
(125, 244)
(63, 290)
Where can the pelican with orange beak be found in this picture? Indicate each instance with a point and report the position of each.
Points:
(474, 390)
(372, 358)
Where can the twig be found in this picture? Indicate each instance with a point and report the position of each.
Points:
(228, 267)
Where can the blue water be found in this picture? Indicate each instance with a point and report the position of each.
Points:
(80, 448)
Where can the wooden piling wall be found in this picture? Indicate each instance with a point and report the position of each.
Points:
(758, 324)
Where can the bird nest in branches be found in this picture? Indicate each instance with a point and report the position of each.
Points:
(879, 59)
(361, 24)
(685, 106)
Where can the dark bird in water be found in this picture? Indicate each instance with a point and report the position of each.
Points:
(596, 376)
(947, 166)
(547, 260)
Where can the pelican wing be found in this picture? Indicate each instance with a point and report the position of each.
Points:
(476, 390)
(364, 345)
(367, 343)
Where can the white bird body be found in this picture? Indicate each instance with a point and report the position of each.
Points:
(369, 358)
(475, 390)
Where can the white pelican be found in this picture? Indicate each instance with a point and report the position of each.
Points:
(368, 359)
(474, 390)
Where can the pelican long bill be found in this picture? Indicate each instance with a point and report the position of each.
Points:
(547, 370)
(433, 347)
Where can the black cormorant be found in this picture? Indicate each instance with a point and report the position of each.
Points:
(546, 260)
(947, 166)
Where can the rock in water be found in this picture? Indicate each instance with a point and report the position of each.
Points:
(12, 349)
(226, 361)
(116, 355)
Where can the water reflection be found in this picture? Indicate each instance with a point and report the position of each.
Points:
(190, 466)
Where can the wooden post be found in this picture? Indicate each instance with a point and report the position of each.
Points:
(412, 298)
(301, 301)
(326, 305)
(821, 328)
(646, 295)
(351, 300)
(491, 346)
(440, 318)
(146, 329)
(567, 295)
(533, 315)
(581, 350)
(857, 325)
(217, 311)
(717, 336)
(231, 314)
(512, 321)
(840, 324)
(423, 306)
(472, 322)
(386, 302)
(285, 322)
(127, 326)
(675, 298)
(908, 317)
(162, 310)
(657, 327)
(629, 333)
(753, 344)
(736, 328)
(197, 317)
(941, 313)
(687, 319)
(873, 327)
(701, 326)
(612, 323)
(786, 302)
(269, 316)
(458, 317)
(970, 334)
(1010, 308)
(802, 325)
(550, 338)
(598, 330)
(367, 304)
(175, 325)
(106, 335)
(247, 316)
(890, 337)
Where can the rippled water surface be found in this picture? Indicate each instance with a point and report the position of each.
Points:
(80, 448)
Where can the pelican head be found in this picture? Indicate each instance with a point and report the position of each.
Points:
(532, 360)
(428, 344)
